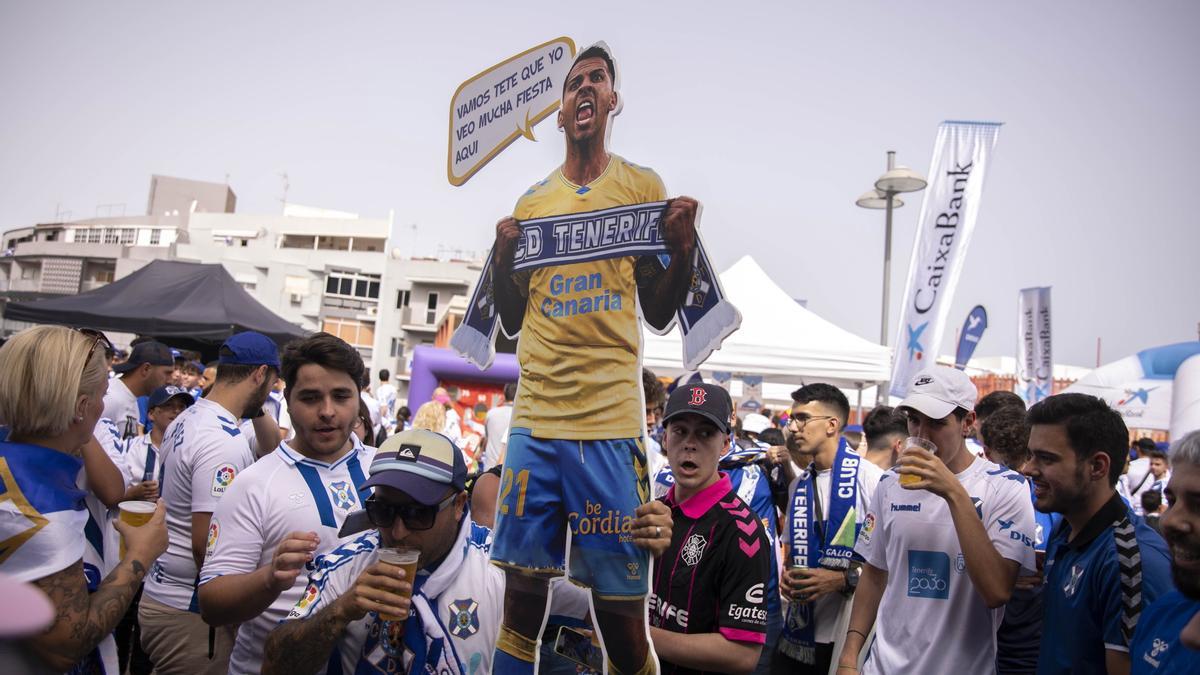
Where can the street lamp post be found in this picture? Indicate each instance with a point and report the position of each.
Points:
(895, 180)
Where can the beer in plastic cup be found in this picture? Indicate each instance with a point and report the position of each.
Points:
(135, 514)
(915, 442)
(404, 557)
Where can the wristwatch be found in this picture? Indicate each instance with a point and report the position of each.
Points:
(852, 574)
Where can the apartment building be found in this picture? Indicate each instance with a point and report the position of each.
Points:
(318, 268)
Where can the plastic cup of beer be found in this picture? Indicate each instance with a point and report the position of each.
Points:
(136, 514)
(915, 442)
(404, 557)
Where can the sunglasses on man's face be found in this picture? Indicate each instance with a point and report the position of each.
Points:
(416, 517)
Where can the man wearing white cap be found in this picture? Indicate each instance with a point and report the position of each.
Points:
(942, 552)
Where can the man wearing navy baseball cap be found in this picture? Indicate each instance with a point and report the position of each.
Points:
(149, 367)
(207, 449)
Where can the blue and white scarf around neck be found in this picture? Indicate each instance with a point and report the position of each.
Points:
(830, 547)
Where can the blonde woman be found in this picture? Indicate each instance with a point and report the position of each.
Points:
(52, 386)
(431, 416)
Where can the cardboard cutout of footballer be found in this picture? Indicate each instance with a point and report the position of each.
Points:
(588, 253)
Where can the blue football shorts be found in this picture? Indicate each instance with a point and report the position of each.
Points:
(591, 488)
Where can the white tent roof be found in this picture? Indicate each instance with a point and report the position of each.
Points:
(778, 339)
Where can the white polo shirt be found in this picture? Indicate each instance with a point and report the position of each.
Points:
(120, 406)
(283, 492)
(204, 451)
(931, 619)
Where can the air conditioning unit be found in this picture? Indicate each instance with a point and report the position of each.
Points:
(296, 298)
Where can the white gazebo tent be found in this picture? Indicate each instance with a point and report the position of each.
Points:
(779, 339)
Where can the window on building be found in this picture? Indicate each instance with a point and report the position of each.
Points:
(128, 236)
(155, 237)
(402, 299)
(357, 333)
(298, 241)
(397, 350)
(352, 284)
(327, 242)
(111, 236)
(93, 236)
(367, 244)
(431, 308)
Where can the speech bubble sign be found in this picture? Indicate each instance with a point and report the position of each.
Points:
(496, 107)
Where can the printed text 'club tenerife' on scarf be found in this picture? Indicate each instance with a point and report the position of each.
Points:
(705, 318)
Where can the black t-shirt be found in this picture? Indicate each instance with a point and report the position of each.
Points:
(713, 577)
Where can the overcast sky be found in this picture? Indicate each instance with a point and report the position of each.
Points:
(775, 115)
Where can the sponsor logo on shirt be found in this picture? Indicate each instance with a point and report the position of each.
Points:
(1072, 584)
(667, 611)
(928, 575)
(914, 508)
(222, 478)
(464, 618)
(214, 531)
(755, 615)
(1156, 648)
(754, 593)
(693, 549)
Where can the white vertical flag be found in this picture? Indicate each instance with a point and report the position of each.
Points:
(1035, 363)
(948, 212)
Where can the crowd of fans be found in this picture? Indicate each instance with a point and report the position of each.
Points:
(1001, 540)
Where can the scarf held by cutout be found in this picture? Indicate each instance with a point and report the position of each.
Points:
(705, 317)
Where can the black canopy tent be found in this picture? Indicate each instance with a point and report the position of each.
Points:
(187, 305)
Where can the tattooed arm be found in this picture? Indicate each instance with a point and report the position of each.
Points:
(304, 645)
(81, 619)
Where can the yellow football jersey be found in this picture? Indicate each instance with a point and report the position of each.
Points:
(580, 338)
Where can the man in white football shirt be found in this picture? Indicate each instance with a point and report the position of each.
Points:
(942, 554)
(204, 451)
(149, 366)
(386, 394)
(286, 509)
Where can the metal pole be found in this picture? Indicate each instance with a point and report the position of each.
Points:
(882, 391)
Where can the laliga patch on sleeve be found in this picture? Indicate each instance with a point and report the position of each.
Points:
(214, 531)
(222, 478)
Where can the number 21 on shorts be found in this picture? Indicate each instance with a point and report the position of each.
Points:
(506, 485)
